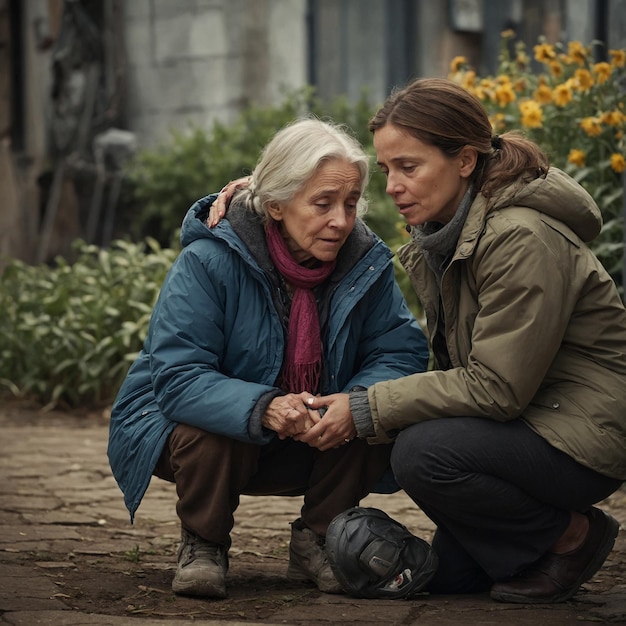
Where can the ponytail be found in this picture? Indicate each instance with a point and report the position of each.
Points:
(516, 158)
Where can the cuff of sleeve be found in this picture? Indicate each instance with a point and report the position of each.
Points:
(361, 414)
(256, 430)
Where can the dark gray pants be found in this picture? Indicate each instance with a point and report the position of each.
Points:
(499, 494)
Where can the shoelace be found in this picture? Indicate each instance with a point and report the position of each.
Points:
(200, 549)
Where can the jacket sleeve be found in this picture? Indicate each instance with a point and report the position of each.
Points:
(524, 302)
(198, 339)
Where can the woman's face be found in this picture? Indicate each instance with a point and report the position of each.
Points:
(317, 221)
(425, 184)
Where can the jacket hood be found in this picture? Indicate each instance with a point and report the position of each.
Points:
(193, 226)
(558, 195)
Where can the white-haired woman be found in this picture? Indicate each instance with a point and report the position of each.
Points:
(290, 296)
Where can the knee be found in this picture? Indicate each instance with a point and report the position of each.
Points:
(408, 456)
(419, 456)
(192, 441)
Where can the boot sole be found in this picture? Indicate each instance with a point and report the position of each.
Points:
(297, 574)
(203, 589)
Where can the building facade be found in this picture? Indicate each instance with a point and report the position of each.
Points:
(84, 83)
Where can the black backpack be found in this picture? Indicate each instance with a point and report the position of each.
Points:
(373, 556)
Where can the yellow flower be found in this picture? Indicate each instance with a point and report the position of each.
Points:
(555, 68)
(618, 163)
(591, 125)
(544, 52)
(520, 85)
(522, 59)
(497, 121)
(562, 94)
(577, 52)
(618, 58)
(602, 71)
(480, 92)
(583, 79)
(469, 79)
(485, 89)
(612, 118)
(457, 64)
(505, 94)
(532, 115)
(577, 157)
(509, 33)
(543, 94)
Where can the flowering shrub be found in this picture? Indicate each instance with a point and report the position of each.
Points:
(574, 108)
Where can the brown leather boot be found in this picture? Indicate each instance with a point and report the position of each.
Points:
(557, 577)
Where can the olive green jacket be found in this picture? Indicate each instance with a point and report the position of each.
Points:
(534, 327)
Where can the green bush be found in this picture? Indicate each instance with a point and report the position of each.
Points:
(69, 332)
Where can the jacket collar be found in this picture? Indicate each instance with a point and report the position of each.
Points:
(249, 228)
(474, 225)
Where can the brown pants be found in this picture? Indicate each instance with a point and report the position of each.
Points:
(212, 471)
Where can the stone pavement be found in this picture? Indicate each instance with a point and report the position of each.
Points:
(68, 555)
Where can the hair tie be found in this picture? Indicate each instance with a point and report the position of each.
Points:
(496, 142)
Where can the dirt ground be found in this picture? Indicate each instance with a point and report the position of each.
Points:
(68, 554)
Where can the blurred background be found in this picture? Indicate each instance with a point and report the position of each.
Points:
(84, 84)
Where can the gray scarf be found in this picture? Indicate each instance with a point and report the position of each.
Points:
(438, 241)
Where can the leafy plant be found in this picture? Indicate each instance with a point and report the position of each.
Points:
(574, 108)
(68, 333)
(133, 555)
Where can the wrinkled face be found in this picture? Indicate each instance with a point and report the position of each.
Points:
(317, 221)
(425, 184)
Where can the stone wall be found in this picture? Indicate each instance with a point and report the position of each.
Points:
(196, 61)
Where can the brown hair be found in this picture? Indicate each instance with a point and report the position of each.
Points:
(443, 114)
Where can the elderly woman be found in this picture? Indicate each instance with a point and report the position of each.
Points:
(289, 297)
(521, 427)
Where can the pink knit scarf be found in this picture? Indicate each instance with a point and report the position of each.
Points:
(303, 360)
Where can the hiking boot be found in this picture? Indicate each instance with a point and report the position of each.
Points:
(202, 567)
(307, 559)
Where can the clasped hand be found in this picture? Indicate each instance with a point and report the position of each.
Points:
(298, 416)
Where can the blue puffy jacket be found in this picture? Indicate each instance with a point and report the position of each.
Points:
(216, 340)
